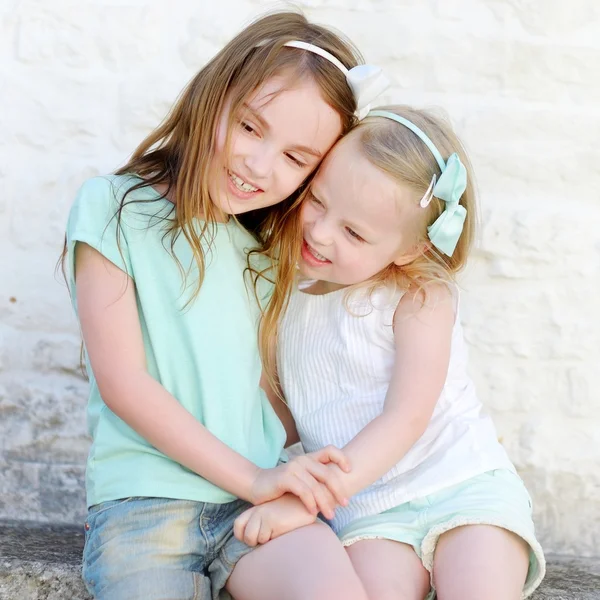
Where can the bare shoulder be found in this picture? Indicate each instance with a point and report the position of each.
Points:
(435, 297)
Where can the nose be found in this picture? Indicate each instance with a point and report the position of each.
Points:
(260, 162)
(321, 231)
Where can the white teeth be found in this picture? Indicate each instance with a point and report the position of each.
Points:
(240, 184)
(316, 254)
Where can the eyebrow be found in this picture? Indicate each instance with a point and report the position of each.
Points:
(265, 125)
(257, 116)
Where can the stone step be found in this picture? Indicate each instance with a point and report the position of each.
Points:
(43, 562)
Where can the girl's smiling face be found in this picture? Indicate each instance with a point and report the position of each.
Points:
(356, 220)
(277, 140)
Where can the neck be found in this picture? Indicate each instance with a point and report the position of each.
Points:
(320, 287)
(329, 286)
(162, 188)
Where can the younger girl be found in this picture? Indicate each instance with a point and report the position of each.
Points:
(183, 436)
(371, 358)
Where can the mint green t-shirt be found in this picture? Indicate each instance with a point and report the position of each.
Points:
(205, 354)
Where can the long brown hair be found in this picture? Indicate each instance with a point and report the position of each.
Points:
(176, 156)
(401, 155)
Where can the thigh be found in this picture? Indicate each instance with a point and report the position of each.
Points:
(389, 570)
(480, 561)
(144, 548)
(306, 564)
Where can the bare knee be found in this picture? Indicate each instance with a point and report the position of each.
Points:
(306, 564)
(327, 588)
(389, 570)
(333, 590)
(480, 561)
(390, 590)
(386, 594)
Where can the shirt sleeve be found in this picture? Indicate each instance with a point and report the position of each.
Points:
(94, 220)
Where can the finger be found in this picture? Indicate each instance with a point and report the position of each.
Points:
(323, 474)
(333, 455)
(239, 525)
(264, 535)
(326, 503)
(296, 486)
(252, 530)
(330, 479)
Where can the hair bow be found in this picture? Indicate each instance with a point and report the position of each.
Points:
(445, 232)
(366, 81)
(447, 228)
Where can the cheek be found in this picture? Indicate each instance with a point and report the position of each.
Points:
(240, 145)
(363, 264)
(221, 136)
(379, 261)
(349, 256)
(237, 144)
(289, 177)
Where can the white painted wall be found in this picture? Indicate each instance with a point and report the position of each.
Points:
(82, 82)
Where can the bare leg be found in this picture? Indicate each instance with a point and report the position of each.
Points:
(480, 561)
(306, 564)
(389, 570)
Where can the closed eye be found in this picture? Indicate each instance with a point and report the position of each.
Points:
(296, 161)
(354, 235)
(315, 200)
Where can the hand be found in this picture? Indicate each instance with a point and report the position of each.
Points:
(265, 522)
(308, 477)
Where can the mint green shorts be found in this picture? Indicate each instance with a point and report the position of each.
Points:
(494, 498)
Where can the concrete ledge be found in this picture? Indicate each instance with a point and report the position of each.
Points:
(42, 562)
(570, 578)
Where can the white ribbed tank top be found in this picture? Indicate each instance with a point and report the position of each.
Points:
(335, 358)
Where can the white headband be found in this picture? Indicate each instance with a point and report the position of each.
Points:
(366, 81)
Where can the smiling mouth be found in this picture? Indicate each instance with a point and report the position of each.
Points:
(314, 254)
(240, 184)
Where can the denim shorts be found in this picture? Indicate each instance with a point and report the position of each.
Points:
(161, 549)
(496, 497)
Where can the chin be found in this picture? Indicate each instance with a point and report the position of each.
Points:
(304, 271)
(231, 209)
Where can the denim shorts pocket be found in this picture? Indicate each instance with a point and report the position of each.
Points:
(93, 537)
(99, 509)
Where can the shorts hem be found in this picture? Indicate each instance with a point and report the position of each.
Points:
(360, 538)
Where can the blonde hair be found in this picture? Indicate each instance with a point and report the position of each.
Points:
(403, 156)
(178, 153)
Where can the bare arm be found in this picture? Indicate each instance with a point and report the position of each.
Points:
(113, 339)
(282, 411)
(423, 336)
(111, 331)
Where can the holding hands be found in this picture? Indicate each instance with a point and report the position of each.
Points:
(318, 487)
(291, 495)
(265, 522)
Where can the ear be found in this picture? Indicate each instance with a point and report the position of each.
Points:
(407, 257)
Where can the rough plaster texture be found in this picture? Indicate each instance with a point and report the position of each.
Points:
(82, 82)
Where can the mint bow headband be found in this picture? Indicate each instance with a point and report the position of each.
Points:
(446, 230)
